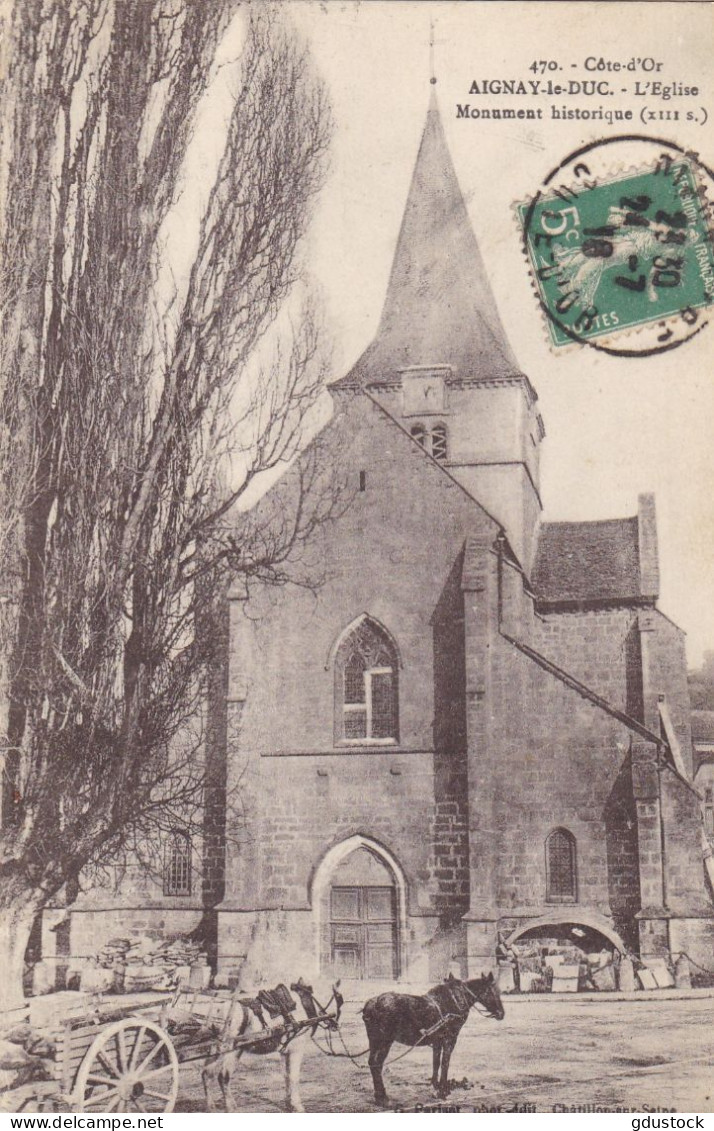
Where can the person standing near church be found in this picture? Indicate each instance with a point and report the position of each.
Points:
(505, 957)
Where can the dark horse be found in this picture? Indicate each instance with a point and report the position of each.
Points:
(435, 1019)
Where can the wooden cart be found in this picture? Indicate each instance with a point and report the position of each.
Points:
(108, 1058)
(126, 1058)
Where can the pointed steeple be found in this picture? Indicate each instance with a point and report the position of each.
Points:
(439, 309)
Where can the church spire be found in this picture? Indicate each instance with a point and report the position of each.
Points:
(432, 65)
(439, 309)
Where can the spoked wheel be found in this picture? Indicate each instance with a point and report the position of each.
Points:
(131, 1066)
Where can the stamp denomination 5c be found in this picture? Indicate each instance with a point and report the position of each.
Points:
(620, 249)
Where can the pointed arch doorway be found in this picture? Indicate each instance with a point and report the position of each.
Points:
(358, 897)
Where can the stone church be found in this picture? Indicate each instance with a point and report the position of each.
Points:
(479, 722)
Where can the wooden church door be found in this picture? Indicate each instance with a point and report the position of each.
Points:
(363, 919)
(363, 932)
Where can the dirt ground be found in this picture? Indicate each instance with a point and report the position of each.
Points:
(614, 1055)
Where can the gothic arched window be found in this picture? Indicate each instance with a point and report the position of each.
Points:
(177, 867)
(561, 880)
(438, 443)
(366, 690)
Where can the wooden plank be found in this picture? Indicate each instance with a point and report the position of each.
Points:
(77, 1037)
(61, 1057)
(104, 1014)
(14, 1099)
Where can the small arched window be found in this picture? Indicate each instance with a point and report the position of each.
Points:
(366, 687)
(438, 443)
(419, 434)
(177, 867)
(561, 867)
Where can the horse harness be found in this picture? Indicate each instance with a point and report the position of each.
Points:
(461, 1013)
(460, 1008)
(277, 1002)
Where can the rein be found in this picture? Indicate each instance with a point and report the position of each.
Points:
(476, 1003)
(321, 1020)
(444, 1019)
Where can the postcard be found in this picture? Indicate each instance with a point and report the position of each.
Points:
(357, 623)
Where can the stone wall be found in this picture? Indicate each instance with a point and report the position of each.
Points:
(544, 756)
(495, 750)
(395, 554)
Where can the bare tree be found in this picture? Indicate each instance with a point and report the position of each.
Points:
(132, 417)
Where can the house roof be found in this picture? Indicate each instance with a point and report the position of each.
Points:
(588, 561)
(703, 726)
(439, 309)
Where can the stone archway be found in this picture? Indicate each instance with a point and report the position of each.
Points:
(588, 921)
(564, 952)
(358, 896)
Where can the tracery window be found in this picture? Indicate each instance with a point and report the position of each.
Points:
(561, 867)
(177, 867)
(366, 687)
(433, 440)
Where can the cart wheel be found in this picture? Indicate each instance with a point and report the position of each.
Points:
(130, 1066)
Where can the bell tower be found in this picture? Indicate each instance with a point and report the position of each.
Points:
(441, 363)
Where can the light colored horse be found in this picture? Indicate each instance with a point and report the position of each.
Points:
(284, 1032)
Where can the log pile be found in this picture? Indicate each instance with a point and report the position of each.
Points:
(113, 954)
(148, 964)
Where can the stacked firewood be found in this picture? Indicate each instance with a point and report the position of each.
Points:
(113, 954)
(124, 965)
(151, 965)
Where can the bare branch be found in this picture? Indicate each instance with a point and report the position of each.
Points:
(135, 415)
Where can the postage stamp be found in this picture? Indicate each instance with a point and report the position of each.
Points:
(622, 258)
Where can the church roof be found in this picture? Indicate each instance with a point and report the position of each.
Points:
(439, 309)
(588, 561)
(703, 726)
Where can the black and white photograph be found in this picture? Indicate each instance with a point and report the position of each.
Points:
(356, 557)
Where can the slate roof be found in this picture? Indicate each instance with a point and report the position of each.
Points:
(580, 562)
(703, 726)
(439, 308)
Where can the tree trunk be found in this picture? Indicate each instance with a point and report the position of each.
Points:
(17, 914)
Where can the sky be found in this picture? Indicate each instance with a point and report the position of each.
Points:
(615, 426)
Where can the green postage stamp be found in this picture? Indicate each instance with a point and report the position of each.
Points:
(611, 255)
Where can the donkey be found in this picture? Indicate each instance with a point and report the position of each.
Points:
(435, 1019)
(282, 1033)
